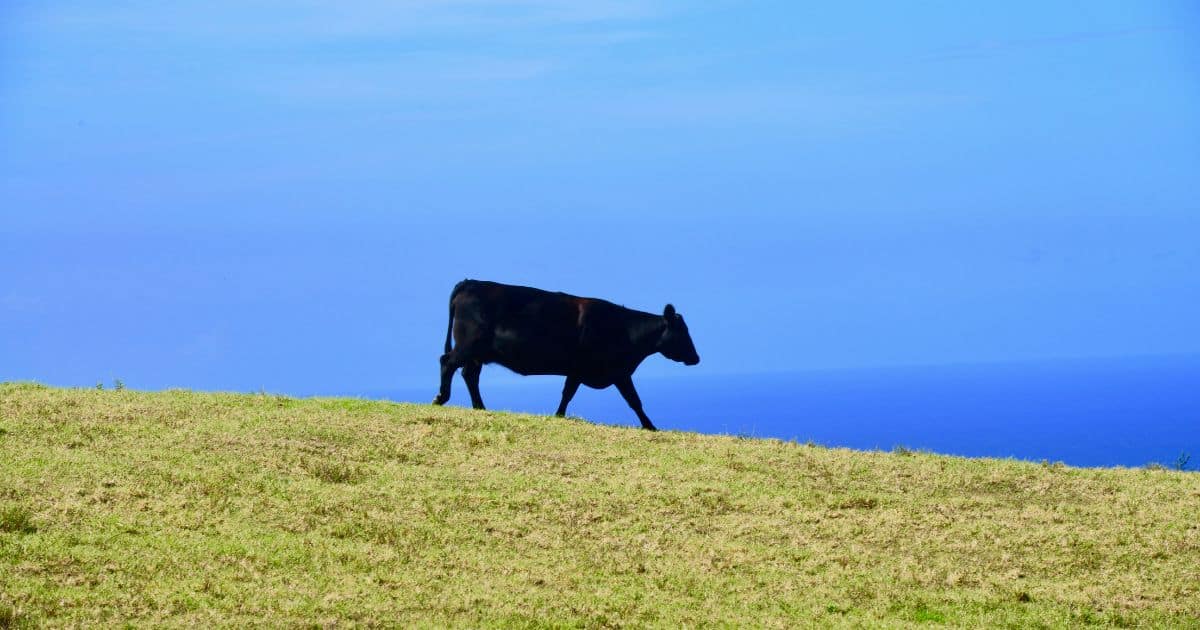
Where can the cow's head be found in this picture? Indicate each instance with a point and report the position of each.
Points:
(676, 342)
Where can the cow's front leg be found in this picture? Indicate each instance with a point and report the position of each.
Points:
(625, 386)
(470, 374)
(569, 389)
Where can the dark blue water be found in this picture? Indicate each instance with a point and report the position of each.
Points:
(1127, 412)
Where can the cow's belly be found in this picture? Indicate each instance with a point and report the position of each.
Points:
(528, 355)
(530, 368)
(597, 382)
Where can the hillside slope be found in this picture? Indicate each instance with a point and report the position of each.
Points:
(192, 509)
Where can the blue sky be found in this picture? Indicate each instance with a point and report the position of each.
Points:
(235, 195)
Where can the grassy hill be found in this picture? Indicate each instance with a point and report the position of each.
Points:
(192, 509)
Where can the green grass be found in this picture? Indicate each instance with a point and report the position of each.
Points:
(192, 509)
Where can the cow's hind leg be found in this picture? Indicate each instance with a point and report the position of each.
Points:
(468, 343)
(470, 374)
(449, 363)
(569, 389)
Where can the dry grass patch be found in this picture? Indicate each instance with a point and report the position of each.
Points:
(194, 509)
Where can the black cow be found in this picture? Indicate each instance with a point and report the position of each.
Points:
(530, 331)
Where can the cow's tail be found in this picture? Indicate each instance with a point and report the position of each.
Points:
(450, 324)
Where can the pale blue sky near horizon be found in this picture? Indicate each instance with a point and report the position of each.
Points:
(280, 195)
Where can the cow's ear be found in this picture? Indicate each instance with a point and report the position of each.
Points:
(669, 312)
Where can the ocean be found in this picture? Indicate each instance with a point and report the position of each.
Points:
(1093, 412)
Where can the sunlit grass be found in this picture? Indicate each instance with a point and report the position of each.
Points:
(197, 509)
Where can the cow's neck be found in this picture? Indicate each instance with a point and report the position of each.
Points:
(646, 331)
